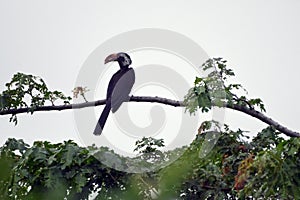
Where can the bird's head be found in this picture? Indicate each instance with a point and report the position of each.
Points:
(122, 58)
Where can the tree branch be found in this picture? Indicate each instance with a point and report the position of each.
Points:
(254, 113)
(258, 115)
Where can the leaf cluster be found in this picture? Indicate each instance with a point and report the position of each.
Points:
(57, 171)
(26, 90)
(214, 89)
(274, 172)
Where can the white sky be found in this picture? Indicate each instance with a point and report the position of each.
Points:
(52, 39)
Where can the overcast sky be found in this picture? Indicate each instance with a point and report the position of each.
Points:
(52, 39)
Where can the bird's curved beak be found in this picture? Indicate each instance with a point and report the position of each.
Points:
(110, 58)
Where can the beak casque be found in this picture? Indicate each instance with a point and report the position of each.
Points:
(110, 58)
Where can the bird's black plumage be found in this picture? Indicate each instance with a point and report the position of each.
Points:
(118, 89)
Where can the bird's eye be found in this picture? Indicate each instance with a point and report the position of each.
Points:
(125, 59)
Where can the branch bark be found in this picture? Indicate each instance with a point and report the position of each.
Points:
(252, 112)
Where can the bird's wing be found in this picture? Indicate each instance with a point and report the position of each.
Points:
(122, 89)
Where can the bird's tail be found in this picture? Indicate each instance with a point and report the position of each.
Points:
(102, 120)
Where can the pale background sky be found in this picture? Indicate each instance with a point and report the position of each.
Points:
(52, 39)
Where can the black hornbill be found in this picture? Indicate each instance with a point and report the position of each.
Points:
(118, 89)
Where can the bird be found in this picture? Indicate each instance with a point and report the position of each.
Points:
(118, 89)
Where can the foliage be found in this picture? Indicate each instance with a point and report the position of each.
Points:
(274, 172)
(214, 89)
(54, 171)
(235, 168)
(30, 92)
(148, 144)
(8, 159)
